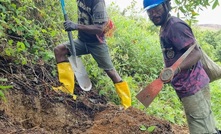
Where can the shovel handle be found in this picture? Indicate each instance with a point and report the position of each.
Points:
(70, 37)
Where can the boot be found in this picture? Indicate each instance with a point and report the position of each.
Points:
(218, 131)
(123, 92)
(66, 77)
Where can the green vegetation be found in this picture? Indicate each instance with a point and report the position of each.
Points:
(190, 9)
(3, 88)
(32, 28)
(149, 129)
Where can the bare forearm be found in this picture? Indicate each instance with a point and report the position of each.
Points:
(191, 59)
(91, 29)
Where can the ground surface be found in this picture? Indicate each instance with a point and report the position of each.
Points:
(32, 107)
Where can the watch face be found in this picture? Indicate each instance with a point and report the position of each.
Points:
(170, 54)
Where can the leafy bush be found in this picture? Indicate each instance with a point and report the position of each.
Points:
(32, 28)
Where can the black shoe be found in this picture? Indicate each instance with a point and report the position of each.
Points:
(218, 131)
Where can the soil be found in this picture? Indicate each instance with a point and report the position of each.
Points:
(32, 107)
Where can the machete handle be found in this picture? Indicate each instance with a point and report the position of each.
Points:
(147, 95)
(167, 74)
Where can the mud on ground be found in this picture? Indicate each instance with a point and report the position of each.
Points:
(32, 107)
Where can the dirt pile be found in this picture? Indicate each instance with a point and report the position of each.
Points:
(32, 107)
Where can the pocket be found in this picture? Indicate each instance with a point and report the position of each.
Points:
(196, 106)
(201, 114)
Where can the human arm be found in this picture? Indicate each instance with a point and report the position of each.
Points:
(182, 38)
(193, 57)
(91, 29)
(168, 73)
(176, 41)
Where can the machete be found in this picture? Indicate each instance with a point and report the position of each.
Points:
(147, 95)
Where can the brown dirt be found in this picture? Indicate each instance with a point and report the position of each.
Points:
(32, 107)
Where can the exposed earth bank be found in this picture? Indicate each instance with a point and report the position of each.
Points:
(32, 107)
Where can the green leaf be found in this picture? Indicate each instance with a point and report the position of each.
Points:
(20, 46)
(143, 128)
(2, 8)
(151, 129)
(10, 42)
(182, 9)
(5, 87)
(1, 94)
(215, 4)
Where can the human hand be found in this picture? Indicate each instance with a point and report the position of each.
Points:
(70, 26)
(166, 75)
(178, 70)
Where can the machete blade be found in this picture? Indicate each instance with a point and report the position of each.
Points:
(147, 95)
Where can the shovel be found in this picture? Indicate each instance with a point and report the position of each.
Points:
(81, 73)
(147, 95)
(76, 63)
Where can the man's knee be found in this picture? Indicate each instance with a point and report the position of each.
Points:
(60, 50)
